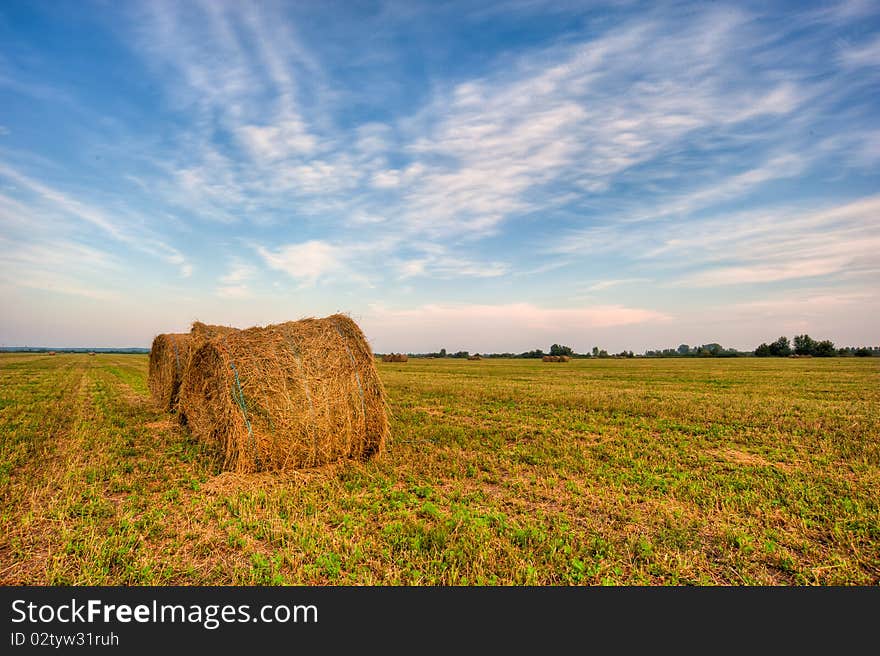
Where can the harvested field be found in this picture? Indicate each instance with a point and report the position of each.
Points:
(629, 471)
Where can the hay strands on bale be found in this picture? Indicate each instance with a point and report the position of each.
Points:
(292, 395)
(169, 357)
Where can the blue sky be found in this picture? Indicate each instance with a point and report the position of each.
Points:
(460, 175)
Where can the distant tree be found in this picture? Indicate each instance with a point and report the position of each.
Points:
(824, 349)
(602, 354)
(805, 345)
(683, 349)
(862, 352)
(556, 349)
(781, 348)
(763, 351)
(595, 351)
(461, 354)
(443, 353)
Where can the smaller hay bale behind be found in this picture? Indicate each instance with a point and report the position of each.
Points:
(395, 357)
(476, 356)
(287, 396)
(550, 358)
(204, 331)
(169, 357)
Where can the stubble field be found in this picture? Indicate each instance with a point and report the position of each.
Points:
(499, 472)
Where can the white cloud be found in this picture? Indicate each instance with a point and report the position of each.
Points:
(273, 142)
(607, 284)
(306, 262)
(238, 272)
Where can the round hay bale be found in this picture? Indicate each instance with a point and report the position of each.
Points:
(476, 356)
(395, 357)
(169, 357)
(551, 358)
(565, 358)
(292, 395)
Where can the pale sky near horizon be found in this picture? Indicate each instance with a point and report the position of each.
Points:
(472, 176)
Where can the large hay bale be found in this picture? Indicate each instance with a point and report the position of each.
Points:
(565, 358)
(169, 357)
(297, 394)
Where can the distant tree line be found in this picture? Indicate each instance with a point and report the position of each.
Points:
(712, 350)
(802, 345)
(805, 345)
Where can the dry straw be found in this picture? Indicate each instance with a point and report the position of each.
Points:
(292, 395)
(202, 332)
(169, 356)
(395, 357)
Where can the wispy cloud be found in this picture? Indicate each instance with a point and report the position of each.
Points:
(758, 246)
(608, 284)
(133, 236)
(233, 282)
(60, 267)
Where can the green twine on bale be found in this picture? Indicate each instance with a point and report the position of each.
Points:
(241, 404)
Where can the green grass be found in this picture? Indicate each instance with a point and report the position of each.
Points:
(727, 471)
